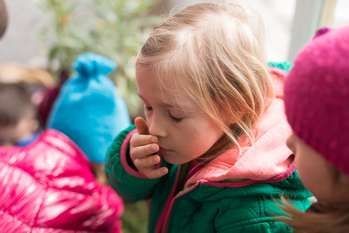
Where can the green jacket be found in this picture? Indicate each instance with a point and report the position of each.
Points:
(206, 208)
(223, 196)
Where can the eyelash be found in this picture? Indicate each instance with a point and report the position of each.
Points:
(175, 119)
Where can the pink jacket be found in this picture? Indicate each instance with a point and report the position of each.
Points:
(49, 187)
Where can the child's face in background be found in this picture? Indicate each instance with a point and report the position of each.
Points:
(9, 135)
(183, 130)
(319, 176)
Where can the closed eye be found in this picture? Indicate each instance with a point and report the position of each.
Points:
(175, 118)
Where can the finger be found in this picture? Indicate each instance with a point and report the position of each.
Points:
(144, 151)
(147, 163)
(142, 140)
(155, 173)
(141, 125)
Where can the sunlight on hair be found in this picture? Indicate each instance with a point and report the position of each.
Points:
(214, 53)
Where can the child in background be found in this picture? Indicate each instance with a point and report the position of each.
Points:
(47, 183)
(211, 154)
(18, 121)
(317, 108)
(45, 180)
(89, 110)
(36, 82)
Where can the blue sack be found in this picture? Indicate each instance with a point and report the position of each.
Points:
(88, 108)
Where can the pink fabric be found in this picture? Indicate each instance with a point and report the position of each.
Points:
(161, 225)
(266, 159)
(278, 178)
(48, 186)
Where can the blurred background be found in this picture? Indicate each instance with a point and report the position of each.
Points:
(49, 34)
(27, 19)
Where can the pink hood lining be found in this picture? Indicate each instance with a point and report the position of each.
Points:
(268, 159)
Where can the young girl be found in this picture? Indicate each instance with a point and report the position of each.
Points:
(316, 100)
(211, 154)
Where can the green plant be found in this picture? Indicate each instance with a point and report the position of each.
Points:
(114, 28)
(135, 218)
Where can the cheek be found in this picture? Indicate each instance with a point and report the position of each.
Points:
(200, 139)
(314, 175)
(307, 169)
(306, 174)
(201, 144)
(302, 167)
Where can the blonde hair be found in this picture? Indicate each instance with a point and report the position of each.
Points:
(321, 219)
(214, 53)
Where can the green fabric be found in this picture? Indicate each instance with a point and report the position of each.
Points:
(208, 209)
(285, 66)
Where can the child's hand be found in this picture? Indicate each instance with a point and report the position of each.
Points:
(143, 151)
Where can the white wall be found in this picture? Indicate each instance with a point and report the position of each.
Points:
(278, 18)
(20, 43)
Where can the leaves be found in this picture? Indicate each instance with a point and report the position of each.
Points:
(114, 28)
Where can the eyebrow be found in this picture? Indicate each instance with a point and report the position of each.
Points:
(163, 104)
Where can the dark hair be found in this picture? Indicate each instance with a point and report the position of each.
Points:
(15, 103)
(3, 18)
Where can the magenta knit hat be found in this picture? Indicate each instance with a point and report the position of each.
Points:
(317, 96)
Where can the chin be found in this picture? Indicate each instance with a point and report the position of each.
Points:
(172, 160)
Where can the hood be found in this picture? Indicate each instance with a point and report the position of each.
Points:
(268, 159)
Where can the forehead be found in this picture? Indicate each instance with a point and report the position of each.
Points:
(165, 89)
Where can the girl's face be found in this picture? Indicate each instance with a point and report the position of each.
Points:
(319, 176)
(183, 130)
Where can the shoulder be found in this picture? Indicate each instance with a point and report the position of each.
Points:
(257, 200)
(51, 157)
(250, 215)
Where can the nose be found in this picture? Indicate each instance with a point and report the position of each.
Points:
(157, 126)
